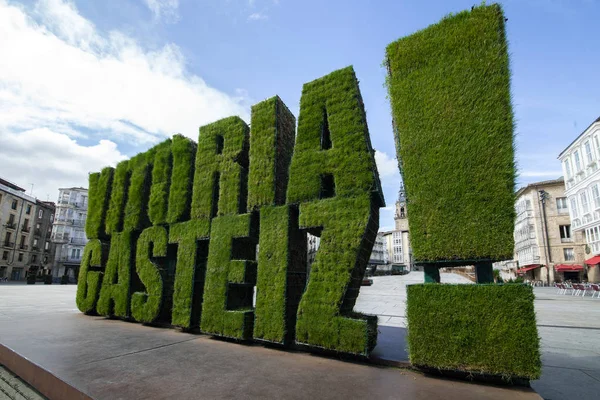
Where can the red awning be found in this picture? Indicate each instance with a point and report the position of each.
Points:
(566, 267)
(527, 268)
(593, 261)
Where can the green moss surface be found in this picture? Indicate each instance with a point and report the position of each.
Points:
(189, 276)
(145, 306)
(158, 204)
(230, 277)
(325, 318)
(281, 275)
(271, 149)
(89, 281)
(115, 292)
(333, 139)
(118, 198)
(180, 194)
(488, 329)
(98, 200)
(449, 86)
(136, 210)
(220, 178)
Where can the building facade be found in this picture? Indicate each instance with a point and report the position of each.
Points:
(24, 222)
(580, 163)
(546, 248)
(68, 231)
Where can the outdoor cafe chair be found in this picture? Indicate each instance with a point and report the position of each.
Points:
(595, 290)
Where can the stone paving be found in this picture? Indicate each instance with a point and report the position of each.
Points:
(13, 388)
(569, 328)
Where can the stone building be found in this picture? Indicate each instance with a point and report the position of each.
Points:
(42, 249)
(397, 241)
(68, 231)
(580, 164)
(23, 232)
(546, 248)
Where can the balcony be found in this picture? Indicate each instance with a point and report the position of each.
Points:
(35, 247)
(37, 232)
(26, 229)
(10, 225)
(70, 259)
(8, 244)
(60, 237)
(79, 241)
(23, 247)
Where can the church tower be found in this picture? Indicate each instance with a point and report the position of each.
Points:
(401, 216)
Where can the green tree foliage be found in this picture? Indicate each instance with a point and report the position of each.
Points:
(145, 306)
(98, 200)
(88, 284)
(230, 277)
(486, 329)
(220, 178)
(449, 86)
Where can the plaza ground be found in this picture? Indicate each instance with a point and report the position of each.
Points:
(42, 323)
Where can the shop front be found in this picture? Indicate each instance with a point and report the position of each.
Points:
(593, 267)
(573, 273)
(529, 272)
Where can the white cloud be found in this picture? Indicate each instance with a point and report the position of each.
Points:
(387, 166)
(60, 74)
(51, 160)
(164, 9)
(257, 16)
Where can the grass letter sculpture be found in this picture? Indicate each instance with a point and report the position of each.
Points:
(193, 229)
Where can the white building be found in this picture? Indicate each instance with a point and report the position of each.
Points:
(68, 232)
(580, 164)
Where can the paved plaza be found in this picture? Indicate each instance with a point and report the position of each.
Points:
(569, 327)
(42, 323)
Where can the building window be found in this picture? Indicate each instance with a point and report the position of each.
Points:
(14, 204)
(11, 219)
(561, 205)
(565, 233)
(28, 209)
(5, 255)
(568, 168)
(33, 258)
(0, 198)
(46, 246)
(574, 211)
(584, 202)
(596, 194)
(20, 256)
(569, 254)
(41, 214)
(588, 152)
(577, 161)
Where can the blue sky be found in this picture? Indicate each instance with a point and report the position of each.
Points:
(216, 58)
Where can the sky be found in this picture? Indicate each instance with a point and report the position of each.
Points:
(85, 84)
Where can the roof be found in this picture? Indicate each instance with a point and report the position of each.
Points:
(577, 138)
(11, 185)
(551, 182)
